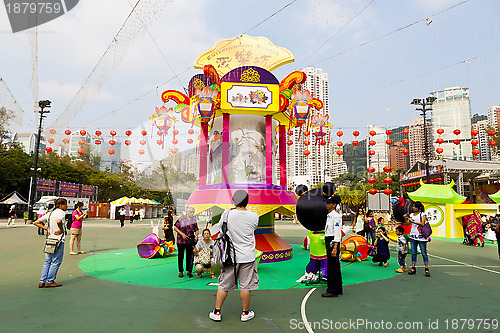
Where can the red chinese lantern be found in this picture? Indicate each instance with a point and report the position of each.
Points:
(372, 133)
(474, 132)
(493, 143)
(339, 143)
(97, 142)
(322, 142)
(190, 141)
(387, 191)
(340, 133)
(142, 142)
(67, 132)
(66, 141)
(290, 132)
(112, 133)
(440, 131)
(144, 132)
(306, 152)
(174, 150)
(48, 150)
(289, 142)
(355, 133)
(52, 131)
(127, 142)
(387, 180)
(372, 180)
(405, 141)
(191, 131)
(475, 152)
(307, 143)
(83, 132)
(175, 132)
(80, 151)
(175, 141)
(51, 140)
(456, 141)
(371, 152)
(492, 133)
(405, 151)
(372, 142)
(372, 191)
(388, 132)
(306, 133)
(355, 143)
(141, 151)
(81, 142)
(112, 142)
(128, 133)
(387, 169)
(370, 169)
(406, 131)
(439, 150)
(474, 142)
(457, 132)
(340, 152)
(439, 140)
(159, 142)
(388, 142)
(111, 152)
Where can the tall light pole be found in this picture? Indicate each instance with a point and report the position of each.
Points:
(425, 105)
(42, 104)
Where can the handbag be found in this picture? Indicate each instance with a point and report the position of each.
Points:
(426, 230)
(52, 243)
(372, 251)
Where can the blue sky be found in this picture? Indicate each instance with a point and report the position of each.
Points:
(369, 84)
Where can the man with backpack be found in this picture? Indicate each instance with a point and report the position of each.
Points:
(241, 224)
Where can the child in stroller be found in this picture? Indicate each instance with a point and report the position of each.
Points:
(467, 238)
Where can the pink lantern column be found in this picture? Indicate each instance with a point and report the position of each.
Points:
(282, 152)
(225, 148)
(203, 154)
(269, 149)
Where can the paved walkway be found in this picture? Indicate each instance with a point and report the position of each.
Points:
(464, 285)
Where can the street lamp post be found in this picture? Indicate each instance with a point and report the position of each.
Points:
(425, 106)
(42, 105)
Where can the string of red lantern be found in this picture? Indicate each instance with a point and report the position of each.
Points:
(405, 141)
(439, 141)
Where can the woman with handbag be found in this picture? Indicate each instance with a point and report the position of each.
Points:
(76, 229)
(187, 237)
(54, 222)
(418, 220)
(369, 227)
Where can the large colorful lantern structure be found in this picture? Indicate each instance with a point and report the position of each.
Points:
(240, 106)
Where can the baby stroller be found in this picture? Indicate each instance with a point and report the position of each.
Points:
(468, 239)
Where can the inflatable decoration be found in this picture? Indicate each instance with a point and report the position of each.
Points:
(354, 248)
(154, 247)
(311, 207)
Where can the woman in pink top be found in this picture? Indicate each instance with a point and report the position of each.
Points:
(76, 228)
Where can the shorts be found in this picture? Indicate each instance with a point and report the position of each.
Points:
(248, 278)
(75, 231)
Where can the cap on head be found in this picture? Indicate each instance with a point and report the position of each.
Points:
(240, 198)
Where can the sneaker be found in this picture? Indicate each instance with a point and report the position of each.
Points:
(215, 317)
(247, 317)
(399, 270)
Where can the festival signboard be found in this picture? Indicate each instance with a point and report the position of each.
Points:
(68, 189)
(87, 190)
(46, 185)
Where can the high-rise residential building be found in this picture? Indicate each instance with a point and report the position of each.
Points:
(451, 111)
(28, 142)
(484, 139)
(338, 165)
(75, 143)
(398, 159)
(381, 157)
(302, 169)
(190, 162)
(417, 140)
(494, 116)
(397, 134)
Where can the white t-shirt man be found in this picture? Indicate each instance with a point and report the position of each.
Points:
(241, 225)
(55, 216)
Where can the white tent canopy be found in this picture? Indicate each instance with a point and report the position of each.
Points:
(14, 198)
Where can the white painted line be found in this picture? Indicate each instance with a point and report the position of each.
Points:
(469, 265)
(303, 311)
(422, 266)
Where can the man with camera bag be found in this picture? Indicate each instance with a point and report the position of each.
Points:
(55, 227)
(241, 225)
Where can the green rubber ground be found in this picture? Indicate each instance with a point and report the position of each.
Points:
(126, 266)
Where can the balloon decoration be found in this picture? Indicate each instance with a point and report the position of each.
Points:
(48, 149)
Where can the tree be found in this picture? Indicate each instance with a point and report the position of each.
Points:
(5, 116)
